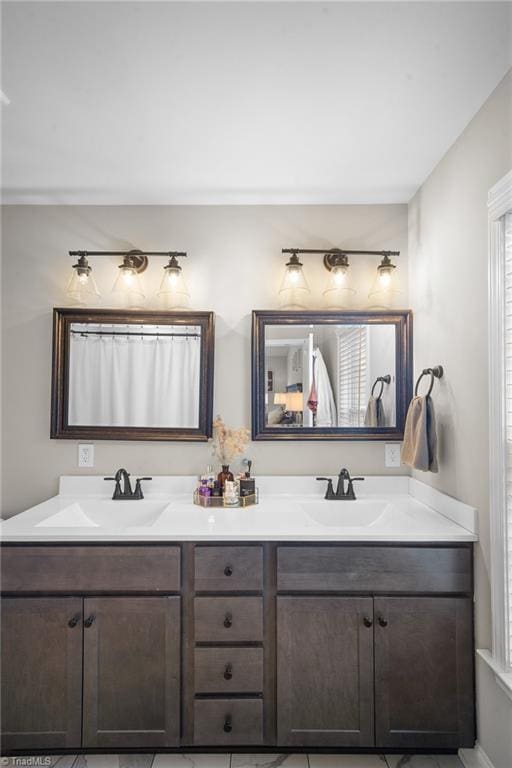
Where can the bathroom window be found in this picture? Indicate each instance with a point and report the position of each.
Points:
(352, 375)
(500, 432)
(508, 426)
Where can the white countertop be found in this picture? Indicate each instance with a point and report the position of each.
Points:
(387, 509)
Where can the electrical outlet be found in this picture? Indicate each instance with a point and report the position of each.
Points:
(86, 455)
(392, 454)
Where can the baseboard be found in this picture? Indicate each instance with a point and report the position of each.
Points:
(475, 758)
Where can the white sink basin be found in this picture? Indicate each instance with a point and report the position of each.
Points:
(360, 513)
(100, 513)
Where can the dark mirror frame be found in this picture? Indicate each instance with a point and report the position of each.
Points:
(401, 319)
(62, 320)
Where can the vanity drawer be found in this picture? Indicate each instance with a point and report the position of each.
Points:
(229, 670)
(90, 569)
(374, 569)
(228, 721)
(225, 569)
(228, 619)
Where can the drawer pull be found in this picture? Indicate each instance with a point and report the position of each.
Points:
(74, 621)
(228, 672)
(228, 570)
(228, 725)
(382, 621)
(367, 621)
(90, 620)
(228, 620)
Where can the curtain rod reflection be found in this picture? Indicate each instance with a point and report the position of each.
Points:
(130, 333)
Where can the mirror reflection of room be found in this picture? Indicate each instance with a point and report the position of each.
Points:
(134, 375)
(325, 376)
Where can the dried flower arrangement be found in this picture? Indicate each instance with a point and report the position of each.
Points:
(228, 443)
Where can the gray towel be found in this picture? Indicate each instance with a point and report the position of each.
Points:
(374, 416)
(420, 440)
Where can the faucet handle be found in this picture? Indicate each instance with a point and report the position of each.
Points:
(109, 478)
(357, 478)
(143, 478)
(329, 494)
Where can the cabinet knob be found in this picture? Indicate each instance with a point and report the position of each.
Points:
(74, 621)
(228, 672)
(228, 570)
(382, 621)
(228, 725)
(90, 620)
(228, 620)
(367, 621)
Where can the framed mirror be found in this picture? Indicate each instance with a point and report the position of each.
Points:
(132, 375)
(331, 375)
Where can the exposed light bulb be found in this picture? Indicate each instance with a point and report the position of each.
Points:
(385, 272)
(294, 288)
(385, 278)
(173, 291)
(339, 275)
(82, 288)
(384, 293)
(128, 285)
(339, 293)
(128, 276)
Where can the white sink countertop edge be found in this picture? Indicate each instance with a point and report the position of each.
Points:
(412, 512)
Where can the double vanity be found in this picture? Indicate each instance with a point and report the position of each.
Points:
(299, 623)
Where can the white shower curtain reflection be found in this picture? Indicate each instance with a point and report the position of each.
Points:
(135, 381)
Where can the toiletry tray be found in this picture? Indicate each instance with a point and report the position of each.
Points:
(218, 501)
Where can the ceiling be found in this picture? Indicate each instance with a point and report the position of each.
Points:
(238, 103)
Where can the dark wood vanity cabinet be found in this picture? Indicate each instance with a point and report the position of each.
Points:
(325, 671)
(93, 672)
(423, 672)
(131, 672)
(237, 645)
(41, 665)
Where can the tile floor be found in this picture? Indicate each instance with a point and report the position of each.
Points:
(233, 761)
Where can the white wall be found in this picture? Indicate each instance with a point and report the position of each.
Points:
(448, 294)
(235, 266)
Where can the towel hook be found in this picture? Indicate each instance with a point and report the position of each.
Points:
(381, 380)
(435, 373)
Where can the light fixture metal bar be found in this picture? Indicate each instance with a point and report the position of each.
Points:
(339, 251)
(133, 252)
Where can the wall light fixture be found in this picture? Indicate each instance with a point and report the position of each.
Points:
(339, 291)
(173, 289)
(294, 288)
(127, 286)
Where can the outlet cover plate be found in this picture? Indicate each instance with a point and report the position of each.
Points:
(85, 455)
(392, 455)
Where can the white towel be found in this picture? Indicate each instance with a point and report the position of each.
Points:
(326, 408)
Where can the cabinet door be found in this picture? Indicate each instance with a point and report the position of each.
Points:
(41, 650)
(325, 671)
(131, 672)
(424, 672)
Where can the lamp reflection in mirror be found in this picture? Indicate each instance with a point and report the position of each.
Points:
(82, 286)
(294, 288)
(293, 402)
(128, 286)
(173, 293)
(339, 292)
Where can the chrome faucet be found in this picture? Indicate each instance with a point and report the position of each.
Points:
(127, 492)
(341, 494)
